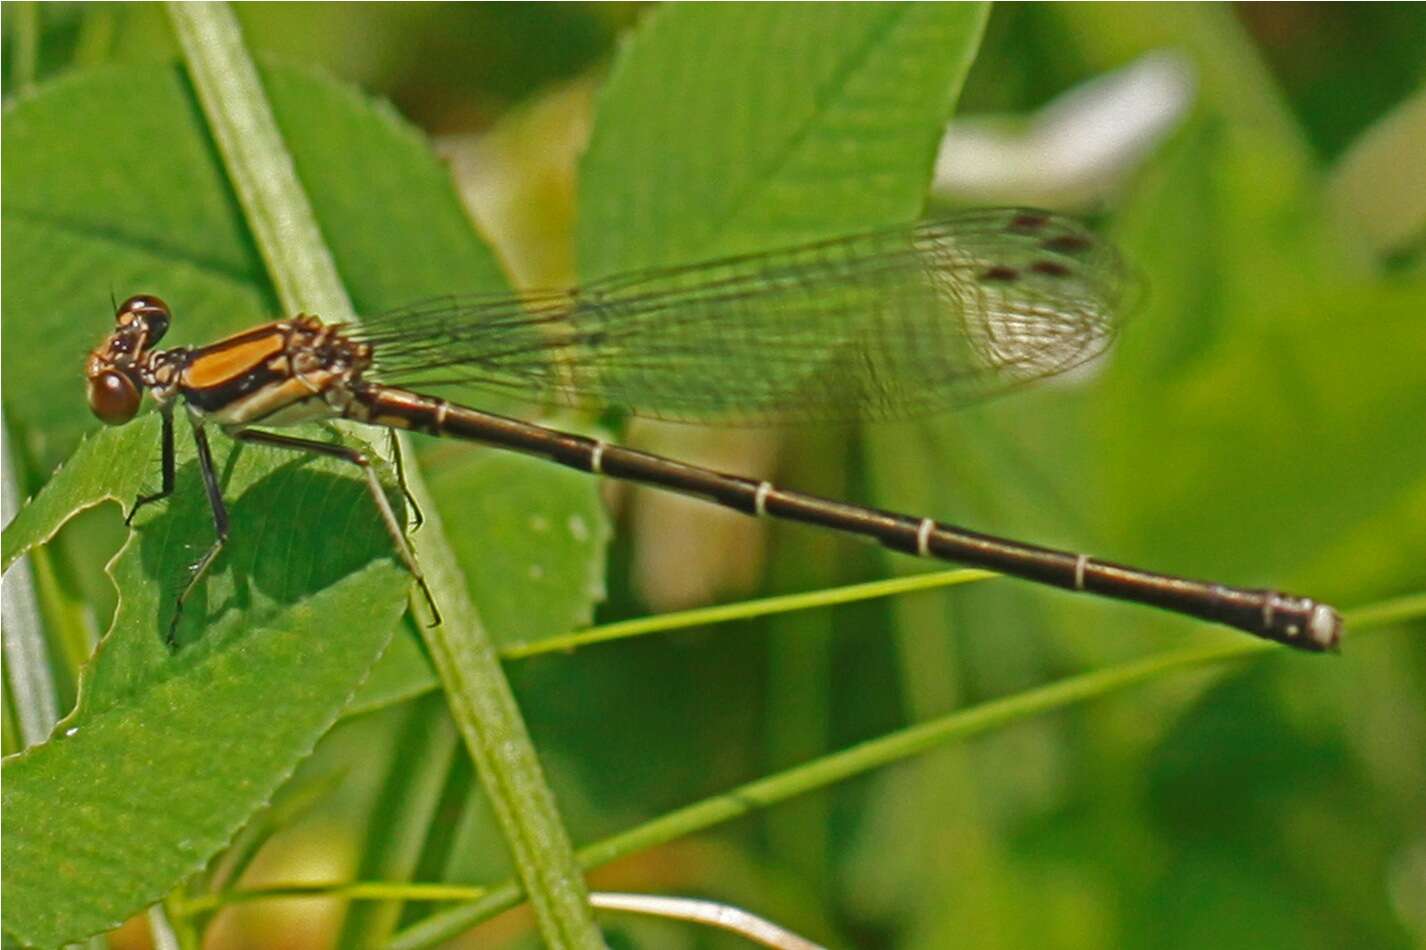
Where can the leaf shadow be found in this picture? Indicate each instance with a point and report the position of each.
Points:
(293, 532)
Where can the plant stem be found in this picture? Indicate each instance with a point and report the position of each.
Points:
(745, 610)
(306, 278)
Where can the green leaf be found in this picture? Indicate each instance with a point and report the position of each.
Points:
(87, 479)
(112, 185)
(730, 129)
(132, 796)
(274, 647)
(550, 532)
(403, 672)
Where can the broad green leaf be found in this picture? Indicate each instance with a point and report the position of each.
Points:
(124, 801)
(271, 649)
(113, 186)
(730, 129)
(87, 479)
(385, 204)
(547, 538)
(403, 672)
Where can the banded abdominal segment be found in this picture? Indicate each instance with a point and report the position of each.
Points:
(1299, 622)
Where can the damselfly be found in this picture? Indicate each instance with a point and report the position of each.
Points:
(877, 325)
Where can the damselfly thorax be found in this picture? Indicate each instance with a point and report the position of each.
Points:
(888, 323)
(278, 374)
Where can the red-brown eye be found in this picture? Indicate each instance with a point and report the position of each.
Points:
(148, 308)
(113, 397)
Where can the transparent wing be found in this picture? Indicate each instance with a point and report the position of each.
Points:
(879, 325)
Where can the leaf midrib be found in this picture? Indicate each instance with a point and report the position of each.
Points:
(76, 227)
(822, 104)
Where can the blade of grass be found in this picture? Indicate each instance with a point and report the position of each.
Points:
(890, 749)
(239, 855)
(257, 160)
(397, 829)
(68, 618)
(412, 687)
(915, 739)
(29, 677)
(161, 932)
(26, 48)
(745, 610)
(480, 698)
(349, 890)
(96, 35)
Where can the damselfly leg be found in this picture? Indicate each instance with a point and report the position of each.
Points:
(393, 445)
(168, 469)
(214, 492)
(291, 444)
(373, 484)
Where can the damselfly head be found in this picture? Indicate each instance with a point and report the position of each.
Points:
(144, 312)
(115, 370)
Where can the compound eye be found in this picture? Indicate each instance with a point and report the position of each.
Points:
(113, 397)
(148, 308)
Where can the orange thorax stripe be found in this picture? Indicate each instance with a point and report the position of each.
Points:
(230, 359)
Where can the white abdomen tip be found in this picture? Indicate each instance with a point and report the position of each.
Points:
(1324, 626)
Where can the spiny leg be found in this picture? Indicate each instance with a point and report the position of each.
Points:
(388, 516)
(395, 442)
(220, 526)
(168, 469)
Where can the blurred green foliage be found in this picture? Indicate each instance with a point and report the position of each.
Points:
(1261, 421)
